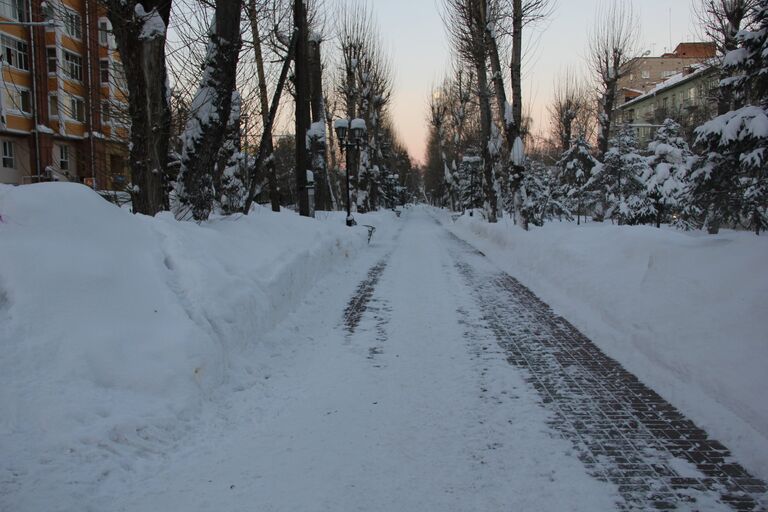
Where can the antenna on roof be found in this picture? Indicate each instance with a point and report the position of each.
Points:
(670, 29)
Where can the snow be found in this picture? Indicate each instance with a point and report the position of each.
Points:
(411, 411)
(518, 152)
(117, 329)
(683, 311)
(150, 364)
(153, 25)
(357, 124)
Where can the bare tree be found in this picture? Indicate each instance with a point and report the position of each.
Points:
(569, 109)
(612, 47)
(140, 33)
(466, 23)
(210, 112)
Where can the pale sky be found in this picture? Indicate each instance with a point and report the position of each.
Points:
(413, 31)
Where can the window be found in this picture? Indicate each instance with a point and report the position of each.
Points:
(17, 99)
(13, 9)
(106, 112)
(76, 109)
(15, 52)
(72, 24)
(104, 33)
(8, 160)
(667, 74)
(104, 71)
(64, 157)
(53, 60)
(73, 66)
(53, 106)
(646, 74)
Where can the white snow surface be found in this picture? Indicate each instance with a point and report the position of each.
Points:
(150, 364)
(684, 311)
(116, 328)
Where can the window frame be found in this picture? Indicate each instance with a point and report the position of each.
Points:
(103, 69)
(70, 64)
(72, 19)
(14, 51)
(64, 159)
(9, 154)
(16, 95)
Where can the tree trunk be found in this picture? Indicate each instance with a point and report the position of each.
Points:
(319, 161)
(485, 128)
(143, 58)
(516, 67)
(210, 112)
(265, 147)
(302, 106)
(274, 193)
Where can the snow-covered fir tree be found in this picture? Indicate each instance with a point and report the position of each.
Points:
(210, 112)
(541, 198)
(618, 190)
(232, 164)
(576, 166)
(469, 180)
(731, 184)
(665, 176)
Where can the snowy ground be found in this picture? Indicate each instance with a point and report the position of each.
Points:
(154, 366)
(683, 311)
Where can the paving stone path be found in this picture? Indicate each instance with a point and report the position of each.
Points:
(622, 431)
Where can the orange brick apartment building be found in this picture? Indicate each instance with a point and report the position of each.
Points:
(61, 95)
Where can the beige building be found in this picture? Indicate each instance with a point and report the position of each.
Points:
(688, 97)
(644, 73)
(61, 95)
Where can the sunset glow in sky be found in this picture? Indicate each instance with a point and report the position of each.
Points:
(413, 32)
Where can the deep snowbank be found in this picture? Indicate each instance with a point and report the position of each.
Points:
(686, 312)
(114, 328)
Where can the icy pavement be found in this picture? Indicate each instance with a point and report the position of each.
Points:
(621, 430)
(425, 379)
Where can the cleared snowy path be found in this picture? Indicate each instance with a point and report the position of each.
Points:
(391, 391)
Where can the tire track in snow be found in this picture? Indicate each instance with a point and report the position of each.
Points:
(622, 431)
(358, 304)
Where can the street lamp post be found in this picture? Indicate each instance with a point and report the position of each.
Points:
(350, 135)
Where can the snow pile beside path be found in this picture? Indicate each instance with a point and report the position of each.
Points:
(114, 328)
(685, 312)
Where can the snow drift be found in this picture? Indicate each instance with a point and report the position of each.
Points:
(115, 327)
(685, 312)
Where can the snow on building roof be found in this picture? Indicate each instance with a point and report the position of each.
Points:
(673, 81)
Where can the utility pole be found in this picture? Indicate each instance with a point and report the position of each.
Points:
(302, 106)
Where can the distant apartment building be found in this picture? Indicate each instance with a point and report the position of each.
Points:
(688, 97)
(62, 100)
(644, 73)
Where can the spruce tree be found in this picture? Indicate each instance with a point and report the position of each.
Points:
(617, 186)
(731, 184)
(577, 165)
(666, 174)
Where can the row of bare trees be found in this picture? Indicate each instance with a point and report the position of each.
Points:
(483, 33)
(212, 84)
(478, 110)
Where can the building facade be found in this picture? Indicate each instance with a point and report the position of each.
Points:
(62, 99)
(689, 97)
(644, 73)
